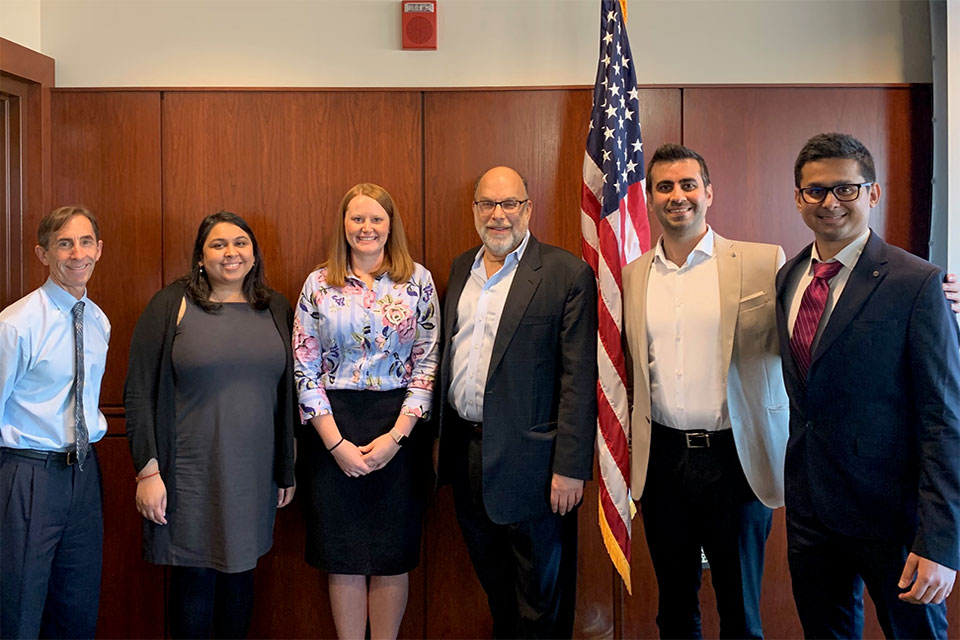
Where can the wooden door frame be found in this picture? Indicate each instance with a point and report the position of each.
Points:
(36, 71)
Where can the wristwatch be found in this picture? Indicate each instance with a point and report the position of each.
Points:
(398, 437)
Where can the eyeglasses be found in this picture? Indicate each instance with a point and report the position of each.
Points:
(508, 206)
(842, 192)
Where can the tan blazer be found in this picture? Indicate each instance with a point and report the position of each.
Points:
(756, 398)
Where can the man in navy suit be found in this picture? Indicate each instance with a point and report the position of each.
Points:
(871, 363)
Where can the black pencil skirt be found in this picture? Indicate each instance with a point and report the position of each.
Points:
(368, 525)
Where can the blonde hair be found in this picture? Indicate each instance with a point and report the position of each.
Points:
(396, 257)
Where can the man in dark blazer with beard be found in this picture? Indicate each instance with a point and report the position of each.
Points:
(517, 409)
(872, 368)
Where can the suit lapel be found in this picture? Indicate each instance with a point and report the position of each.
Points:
(525, 283)
(784, 298)
(870, 269)
(458, 280)
(729, 272)
(638, 315)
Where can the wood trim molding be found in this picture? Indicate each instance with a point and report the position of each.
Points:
(17, 60)
(38, 70)
(570, 87)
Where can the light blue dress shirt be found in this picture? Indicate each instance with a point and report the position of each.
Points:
(478, 319)
(37, 370)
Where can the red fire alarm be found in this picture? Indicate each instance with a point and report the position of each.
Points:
(418, 24)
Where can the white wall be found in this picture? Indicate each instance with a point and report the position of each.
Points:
(20, 22)
(356, 43)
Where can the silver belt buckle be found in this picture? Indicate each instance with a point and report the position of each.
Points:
(697, 440)
(71, 457)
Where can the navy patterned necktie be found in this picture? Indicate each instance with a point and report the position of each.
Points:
(83, 438)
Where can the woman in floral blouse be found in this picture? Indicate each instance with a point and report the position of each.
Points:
(365, 355)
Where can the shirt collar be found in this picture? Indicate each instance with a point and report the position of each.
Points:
(351, 276)
(701, 253)
(514, 256)
(62, 298)
(848, 256)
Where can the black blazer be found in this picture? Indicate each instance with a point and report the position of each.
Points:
(874, 448)
(540, 405)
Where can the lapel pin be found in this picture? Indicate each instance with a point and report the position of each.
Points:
(876, 273)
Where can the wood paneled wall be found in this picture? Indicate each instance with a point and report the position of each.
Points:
(153, 163)
(742, 135)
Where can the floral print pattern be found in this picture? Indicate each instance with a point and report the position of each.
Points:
(355, 337)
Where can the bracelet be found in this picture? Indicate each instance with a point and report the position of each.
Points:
(336, 445)
(149, 475)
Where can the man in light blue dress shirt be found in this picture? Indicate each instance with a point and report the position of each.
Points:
(53, 349)
(518, 411)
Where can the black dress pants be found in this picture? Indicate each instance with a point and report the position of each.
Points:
(527, 569)
(828, 572)
(51, 524)
(699, 497)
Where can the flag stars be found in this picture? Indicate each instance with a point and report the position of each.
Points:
(607, 133)
(606, 61)
(608, 38)
(616, 68)
(611, 16)
(631, 167)
(633, 94)
(637, 146)
(606, 155)
(611, 111)
(615, 90)
(628, 114)
(625, 61)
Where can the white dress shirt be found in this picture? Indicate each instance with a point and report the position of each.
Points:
(37, 353)
(687, 387)
(478, 318)
(800, 279)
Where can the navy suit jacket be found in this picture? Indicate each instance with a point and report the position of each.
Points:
(874, 448)
(540, 400)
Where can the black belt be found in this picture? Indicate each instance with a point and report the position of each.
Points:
(49, 458)
(471, 427)
(697, 439)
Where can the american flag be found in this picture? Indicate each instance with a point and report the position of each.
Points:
(613, 219)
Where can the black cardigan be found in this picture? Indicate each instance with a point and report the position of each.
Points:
(149, 396)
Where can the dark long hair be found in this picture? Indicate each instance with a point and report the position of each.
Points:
(255, 288)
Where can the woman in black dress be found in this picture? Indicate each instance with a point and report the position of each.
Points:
(365, 356)
(209, 413)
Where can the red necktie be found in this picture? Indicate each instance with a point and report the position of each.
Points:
(811, 308)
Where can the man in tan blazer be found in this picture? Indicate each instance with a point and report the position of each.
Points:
(709, 422)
